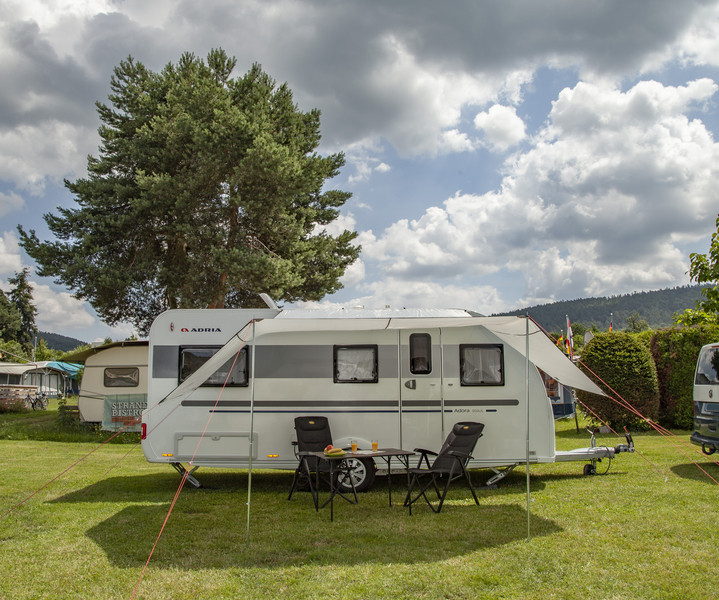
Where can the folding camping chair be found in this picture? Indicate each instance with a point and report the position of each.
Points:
(314, 435)
(450, 463)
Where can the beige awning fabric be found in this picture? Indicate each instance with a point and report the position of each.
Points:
(510, 330)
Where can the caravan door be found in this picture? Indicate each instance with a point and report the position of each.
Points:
(421, 405)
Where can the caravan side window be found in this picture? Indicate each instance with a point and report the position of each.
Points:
(121, 377)
(355, 364)
(481, 364)
(420, 353)
(233, 373)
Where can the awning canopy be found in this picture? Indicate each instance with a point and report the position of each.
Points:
(511, 330)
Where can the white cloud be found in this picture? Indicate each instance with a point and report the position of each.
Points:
(33, 155)
(10, 261)
(59, 311)
(502, 127)
(10, 203)
(596, 206)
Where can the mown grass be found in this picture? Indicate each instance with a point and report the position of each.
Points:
(46, 425)
(647, 529)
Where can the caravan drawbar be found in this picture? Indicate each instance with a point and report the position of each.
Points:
(225, 385)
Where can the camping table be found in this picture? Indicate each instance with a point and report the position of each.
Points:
(387, 454)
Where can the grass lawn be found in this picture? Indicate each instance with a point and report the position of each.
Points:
(647, 529)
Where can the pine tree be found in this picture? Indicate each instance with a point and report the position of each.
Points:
(207, 191)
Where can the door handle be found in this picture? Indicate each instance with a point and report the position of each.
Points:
(411, 384)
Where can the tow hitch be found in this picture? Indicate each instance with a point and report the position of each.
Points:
(594, 454)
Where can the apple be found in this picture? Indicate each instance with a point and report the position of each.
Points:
(328, 448)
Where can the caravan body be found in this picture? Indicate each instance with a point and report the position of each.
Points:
(400, 377)
(117, 368)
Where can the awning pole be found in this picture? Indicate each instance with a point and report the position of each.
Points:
(252, 357)
(526, 399)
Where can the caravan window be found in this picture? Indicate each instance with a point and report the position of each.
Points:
(481, 364)
(233, 373)
(355, 364)
(420, 353)
(708, 367)
(122, 377)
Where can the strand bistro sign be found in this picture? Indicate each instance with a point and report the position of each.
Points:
(123, 411)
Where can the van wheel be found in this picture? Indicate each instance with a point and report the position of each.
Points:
(708, 450)
(362, 475)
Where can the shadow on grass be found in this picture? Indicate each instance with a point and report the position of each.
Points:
(693, 472)
(202, 537)
(208, 527)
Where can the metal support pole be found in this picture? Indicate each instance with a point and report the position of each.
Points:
(526, 399)
(253, 359)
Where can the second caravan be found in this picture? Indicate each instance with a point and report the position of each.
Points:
(226, 385)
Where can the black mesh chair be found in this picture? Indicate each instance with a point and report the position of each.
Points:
(314, 435)
(450, 464)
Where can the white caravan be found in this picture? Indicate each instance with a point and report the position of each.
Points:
(110, 370)
(402, 377)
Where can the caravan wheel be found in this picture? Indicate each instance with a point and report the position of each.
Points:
(362, 475)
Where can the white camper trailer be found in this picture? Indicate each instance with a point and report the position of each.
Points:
(119, 368)
(227, 383)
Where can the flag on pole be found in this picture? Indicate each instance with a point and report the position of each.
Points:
(560, 341)
(570, 339)
(611, 315)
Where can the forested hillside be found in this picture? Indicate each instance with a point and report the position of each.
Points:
(657, 308)
(55, 341)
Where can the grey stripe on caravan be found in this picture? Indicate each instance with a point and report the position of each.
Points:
(497, 402)
(292, 403)
(280, 362)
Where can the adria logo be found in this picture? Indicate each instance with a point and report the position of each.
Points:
(201, 330)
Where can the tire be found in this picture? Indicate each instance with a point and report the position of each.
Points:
(590, 469)
(363, 475)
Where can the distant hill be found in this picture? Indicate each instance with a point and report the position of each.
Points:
(55, 341)
(657, 308)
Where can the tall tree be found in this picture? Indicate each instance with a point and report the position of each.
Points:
(21, 300)
(705, 269)
(207, 191)
(10, 321)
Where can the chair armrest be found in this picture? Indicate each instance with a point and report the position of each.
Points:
(460, 455)
(423, 451)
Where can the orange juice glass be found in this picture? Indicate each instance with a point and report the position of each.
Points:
(354, 445)
(374, 445)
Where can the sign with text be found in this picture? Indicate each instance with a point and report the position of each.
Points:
(123, 411)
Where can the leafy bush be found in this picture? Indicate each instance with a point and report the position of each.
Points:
(12, 405)
(624, 364)
(675, 353)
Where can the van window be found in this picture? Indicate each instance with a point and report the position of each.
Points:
(708, 367)
(355, 364)
(481, 364)
(420, 353)
(233, 373)
(121, 377)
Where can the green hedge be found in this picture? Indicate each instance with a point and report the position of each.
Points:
(625, 364)
(675, 353)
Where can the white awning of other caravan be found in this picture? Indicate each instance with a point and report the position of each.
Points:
(511, 330)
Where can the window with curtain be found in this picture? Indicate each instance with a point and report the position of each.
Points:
(355, 364)
(481, 364)
(122, 377)
(420, 353)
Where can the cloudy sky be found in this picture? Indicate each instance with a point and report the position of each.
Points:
(500, 154)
